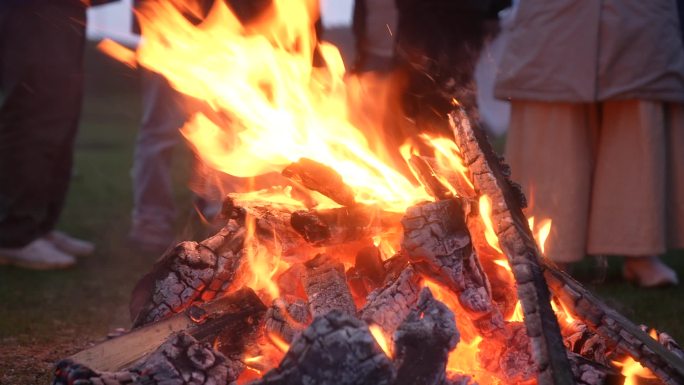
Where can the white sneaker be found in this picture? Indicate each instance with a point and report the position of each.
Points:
(37, 255)
(648, 272)
(69, 244)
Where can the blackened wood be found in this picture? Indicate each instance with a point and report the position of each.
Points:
(620, 333)
(387, 307)
(182, 360)
(587, 372)
(489, 176)
(239, 312)
(423, 341)
(368, 263)
(437, 242)
(342, 225)
(511, 361)
(191, 272)
(286, 317)
(326, 286)
(319, 177)
(336, 349)
(580, 339)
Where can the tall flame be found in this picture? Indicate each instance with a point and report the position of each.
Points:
(486, 214)
(261, 103)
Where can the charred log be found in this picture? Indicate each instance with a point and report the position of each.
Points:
(619, 333)
(319, 177)
(287, 317)
(588, 372)
(367, 274)
(490, 177)
(326, 287)
(182, 360)
(290, 281)
(423, 341)
(336, 349)
(388, 307)
(229, 322)
(511, 361)
(192, 272)
(433, 183)
(437, 242)
(342, 225)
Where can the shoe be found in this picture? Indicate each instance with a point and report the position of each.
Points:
(648, 272)
(37, 255)
(69, 244)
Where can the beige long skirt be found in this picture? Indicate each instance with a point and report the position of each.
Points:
(610, 176)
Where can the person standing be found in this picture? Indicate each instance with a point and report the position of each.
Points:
(41, 82)
(589, 82)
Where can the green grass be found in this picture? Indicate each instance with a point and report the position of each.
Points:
(45, 316)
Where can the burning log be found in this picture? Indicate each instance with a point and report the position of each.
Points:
(581, 340)
(512, 360)
(367, 274)
(290, 281)
(588, 372)
(229, 321)
(618, 331)
(181, 360)
(287, 317)
(433, 183)
(190, 273)
(423, 341)
(319, 177)
(490, 177)
(437, 242)
(336, 349)
(342, 225)
(326, 287)
(388, 307)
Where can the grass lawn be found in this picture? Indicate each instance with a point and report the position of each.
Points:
(45, 316)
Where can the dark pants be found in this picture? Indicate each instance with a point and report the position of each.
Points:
(41, 82)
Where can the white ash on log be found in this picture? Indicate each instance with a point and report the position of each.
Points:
(181, 360)
(489, 176)
(387, 307)
(336, 349)
(191, 272)
(230, 322)
(321, 178)
(287, 317)
(423, 341)
(343, 225)
(437, 242)
(326, 286)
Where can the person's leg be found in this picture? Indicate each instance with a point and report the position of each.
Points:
(549, 149)
(41, 51)
(153, 202)
(675, 164)
(628, 204)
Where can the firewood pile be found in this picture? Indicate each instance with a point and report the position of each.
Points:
(466, 298)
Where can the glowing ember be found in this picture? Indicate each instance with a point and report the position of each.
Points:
(379, 336)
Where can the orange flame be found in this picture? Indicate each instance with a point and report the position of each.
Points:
(264, 105)
(633, 371)
(485, 213)
(380, 338)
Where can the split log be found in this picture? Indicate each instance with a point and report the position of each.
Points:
(344, 224)
(336, 349)
(490, 177)
(192, 272)
(230, 321)
(388, 307)
(620, 333)
(287, 317)
(437, 242)
(181, 360)
(326, 286)
(319, 177)
(423, 341)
